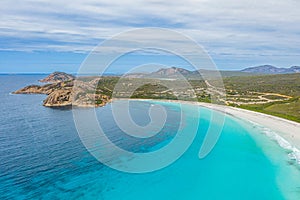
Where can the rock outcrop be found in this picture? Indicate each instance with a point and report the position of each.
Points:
(31, 89)
(69, 93)
(58, 98)
(58, 77)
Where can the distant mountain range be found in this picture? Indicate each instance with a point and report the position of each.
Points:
(181, 73)
(269, 69)
(175, 72)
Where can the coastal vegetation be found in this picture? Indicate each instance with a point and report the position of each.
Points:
(282, 92)
(276, 95)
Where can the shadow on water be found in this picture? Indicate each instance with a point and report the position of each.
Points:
(69, 107)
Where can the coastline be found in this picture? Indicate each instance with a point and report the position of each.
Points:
(288, 130)
(284, 132)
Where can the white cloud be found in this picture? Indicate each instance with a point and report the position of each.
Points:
(223, 27)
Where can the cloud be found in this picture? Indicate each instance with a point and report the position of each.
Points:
(229, 27)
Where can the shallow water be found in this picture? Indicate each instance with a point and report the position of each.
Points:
(42, 156)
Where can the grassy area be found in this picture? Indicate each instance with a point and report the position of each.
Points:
(283, 84)
(287, 84)
(247, 92)
(289, 109)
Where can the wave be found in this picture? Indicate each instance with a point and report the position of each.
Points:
(293, 152)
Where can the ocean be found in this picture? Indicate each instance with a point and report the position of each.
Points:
(42, 156)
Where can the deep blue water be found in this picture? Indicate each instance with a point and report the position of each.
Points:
(42, 156)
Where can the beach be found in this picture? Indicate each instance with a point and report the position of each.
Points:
(288, 130)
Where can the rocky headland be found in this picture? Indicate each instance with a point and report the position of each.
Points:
(65, 90)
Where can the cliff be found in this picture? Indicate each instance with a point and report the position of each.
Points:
(63, 93)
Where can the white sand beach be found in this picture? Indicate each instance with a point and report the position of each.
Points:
(288, 130)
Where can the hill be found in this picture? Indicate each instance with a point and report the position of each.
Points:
(181, 73)
(269, 69)
(56, 77)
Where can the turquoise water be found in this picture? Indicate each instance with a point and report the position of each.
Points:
(42, 157)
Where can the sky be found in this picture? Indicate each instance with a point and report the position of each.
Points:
(55, 35)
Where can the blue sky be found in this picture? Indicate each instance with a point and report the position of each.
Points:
(50, 35)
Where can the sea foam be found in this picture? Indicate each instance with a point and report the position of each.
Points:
(293, 152)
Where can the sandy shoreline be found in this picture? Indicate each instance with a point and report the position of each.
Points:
(288, 130)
